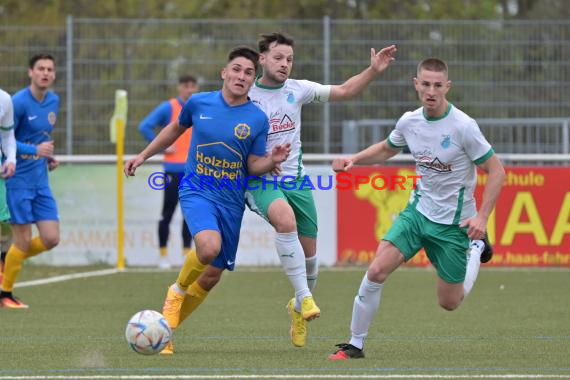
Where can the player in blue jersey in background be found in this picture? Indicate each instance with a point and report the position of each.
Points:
(228, 142)
(175, 157)
(28, 193)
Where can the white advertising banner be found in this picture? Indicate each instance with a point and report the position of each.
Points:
(87, 202)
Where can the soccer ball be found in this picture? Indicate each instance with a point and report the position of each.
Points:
(148, 332)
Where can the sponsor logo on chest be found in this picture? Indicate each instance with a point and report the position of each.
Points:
(426, 159)
(281, 124)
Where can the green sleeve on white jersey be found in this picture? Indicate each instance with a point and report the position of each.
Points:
(474, 143)
(484, 157)
(394, 146)
(396, 138)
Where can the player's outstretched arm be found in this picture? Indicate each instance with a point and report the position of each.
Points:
(257, 165)
(477, 226)
(165, 138)
(355, 85)
(374, 154)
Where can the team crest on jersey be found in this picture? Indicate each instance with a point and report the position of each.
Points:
(52, 118)
(445, 141)
(242, 131)
(290, 98)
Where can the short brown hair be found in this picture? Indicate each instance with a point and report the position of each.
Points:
(186, 78)
(279, 37)
(247, 53)
(433, 64)
(37, 57)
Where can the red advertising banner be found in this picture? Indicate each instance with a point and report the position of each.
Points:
(530, 225)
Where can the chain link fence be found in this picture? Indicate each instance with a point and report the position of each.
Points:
(499, 69)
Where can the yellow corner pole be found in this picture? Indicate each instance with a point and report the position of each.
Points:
(118, 123)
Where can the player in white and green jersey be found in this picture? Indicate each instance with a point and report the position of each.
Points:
(445, 160)
(441, 215)
(9, 164)
(288, 208)
(284, 103)
(8, 149)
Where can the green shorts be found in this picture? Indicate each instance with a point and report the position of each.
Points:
(300, 199)
(446, 245)
(4, 212)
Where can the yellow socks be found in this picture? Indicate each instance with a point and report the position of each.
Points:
(14, 259)
(194, 297)
(12, 267)
(36, 247)
(191, 270)
(163, 251)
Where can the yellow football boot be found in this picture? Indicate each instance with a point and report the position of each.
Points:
(171, 308)
(168, 349)
(298, 331)
(309, 309)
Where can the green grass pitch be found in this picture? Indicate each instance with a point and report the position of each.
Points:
(514, 322)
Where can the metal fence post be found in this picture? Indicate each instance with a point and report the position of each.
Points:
(326, 81)
(350, 143)
(565, 136)
(69, 85)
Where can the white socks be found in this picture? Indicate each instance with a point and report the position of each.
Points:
(292, 259)
(312, 265)
(366, 303)
(473, 263)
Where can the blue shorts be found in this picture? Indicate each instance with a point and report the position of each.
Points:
(203, 214)
(28, 206)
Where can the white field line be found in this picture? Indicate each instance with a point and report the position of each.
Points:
(67, 277)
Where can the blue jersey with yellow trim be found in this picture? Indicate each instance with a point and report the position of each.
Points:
(33, 124)
(223, 136)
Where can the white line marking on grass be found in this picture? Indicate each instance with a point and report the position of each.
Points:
(278, 376)
(67, 277)
(105, 272)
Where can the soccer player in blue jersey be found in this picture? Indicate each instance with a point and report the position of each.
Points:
(174, 161)
(228, 142)
(29, 196)
(292, 211)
